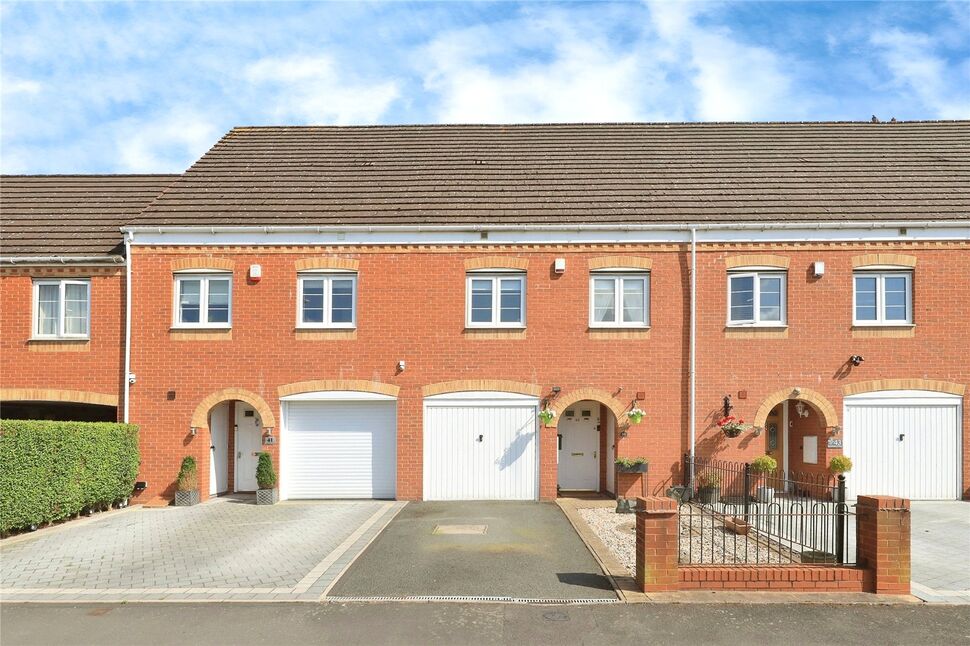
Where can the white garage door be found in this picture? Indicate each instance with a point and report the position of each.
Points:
(480, 446)
(339, 449)
(904, 443)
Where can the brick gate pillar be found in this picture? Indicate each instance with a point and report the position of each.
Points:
(883, 542)
(657, 544)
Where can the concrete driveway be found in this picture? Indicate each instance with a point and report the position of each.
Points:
(477, 550)
(226, 549)
(941, 551)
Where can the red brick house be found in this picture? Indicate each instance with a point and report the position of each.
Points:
(387, 309)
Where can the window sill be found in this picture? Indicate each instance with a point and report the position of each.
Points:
(59, 344)
(325, 334)
(756, 332)
(883, 331)
(200, 334)
(494, 333)
(869, 325)
(616, 333)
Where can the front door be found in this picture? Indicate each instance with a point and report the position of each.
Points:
(248, 439)
(579, 448)
(219, 449)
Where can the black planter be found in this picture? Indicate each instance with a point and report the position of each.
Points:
(636, 468)
(708, 495)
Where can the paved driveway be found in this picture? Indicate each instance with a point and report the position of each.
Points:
(476, 550)
(222, 550)
(941, 551)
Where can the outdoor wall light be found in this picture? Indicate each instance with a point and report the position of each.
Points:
(856, 359)
(726, 405)
(193, 430)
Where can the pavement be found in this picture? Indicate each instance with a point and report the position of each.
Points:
(940, 547)
(347, 624)
(224, 549)
(481, 550)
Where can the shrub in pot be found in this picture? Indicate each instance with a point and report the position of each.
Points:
(708, 487)
(187, 483)
(762, 465)
(266, 493)
(838, 465)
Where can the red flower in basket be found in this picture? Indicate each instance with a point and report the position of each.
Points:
(732, 426)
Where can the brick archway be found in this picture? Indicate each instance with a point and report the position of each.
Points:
(200, 418)
(563, 402)
(822, 405)
(55, 395)
(466, 385)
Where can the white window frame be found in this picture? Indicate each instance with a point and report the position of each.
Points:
(495, 277)
(327, 277)
(62, 285)
(618, 275)
(881, 275)
(204, 278)
(757, 273)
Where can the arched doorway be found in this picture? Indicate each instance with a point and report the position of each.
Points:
(237, 425)
(796, 423)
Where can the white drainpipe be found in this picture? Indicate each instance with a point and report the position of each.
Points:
(127, 375)
(693, 339)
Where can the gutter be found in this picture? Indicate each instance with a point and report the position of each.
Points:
(417, 228)
(61, 260)
(127, 375)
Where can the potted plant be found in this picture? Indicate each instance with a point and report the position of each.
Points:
(632, 465)
(635, 415)
(708, 487)
(187, 483)
(762, 465)
(266, 492)
(547, 415)
(838, 465)
(732, 426)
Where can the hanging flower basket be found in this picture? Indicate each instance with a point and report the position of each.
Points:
(547, 415)
(635, 415)
(733, 427)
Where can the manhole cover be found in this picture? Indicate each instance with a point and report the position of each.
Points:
(460, 529)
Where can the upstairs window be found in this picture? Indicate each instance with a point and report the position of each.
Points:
(327, 300)
(619, 299)
(495, 300)
(62, 309)
(756, 298)
(203, 300)
(883, 298)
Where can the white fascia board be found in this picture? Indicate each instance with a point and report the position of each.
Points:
(552, 234)
(338, 395)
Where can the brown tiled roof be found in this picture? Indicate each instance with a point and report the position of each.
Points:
(606, 173)
(71, 215)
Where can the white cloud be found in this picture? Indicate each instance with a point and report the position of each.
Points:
(309, 89)
(734, 81)
(20, 86)
(915, 68)
(163, 143)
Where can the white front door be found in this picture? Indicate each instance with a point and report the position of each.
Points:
(248, 446)
(904, 443)
(339, 448)
(611, 454)
(480, 446)
(219, 449)
(579, 465)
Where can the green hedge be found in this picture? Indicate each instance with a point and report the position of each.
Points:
(53, 470)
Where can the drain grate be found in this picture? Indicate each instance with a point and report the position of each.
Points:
(544, 602)
(460, 529)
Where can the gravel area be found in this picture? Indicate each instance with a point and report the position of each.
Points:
(709, 541)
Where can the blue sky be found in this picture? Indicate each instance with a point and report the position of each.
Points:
(149, 87)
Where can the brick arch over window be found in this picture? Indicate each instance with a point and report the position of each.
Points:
(563, 402)
(55, 395)
(876, 385)
(498, 385)
(203, 262)
(358, 385)
(201, 416)
(823, 406)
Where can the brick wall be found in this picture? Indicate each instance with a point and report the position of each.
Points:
(92, 367)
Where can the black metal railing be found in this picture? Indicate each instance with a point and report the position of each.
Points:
(730, 514)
